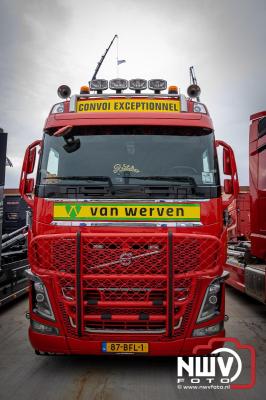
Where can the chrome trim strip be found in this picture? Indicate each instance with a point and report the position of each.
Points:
(126, 330)
(114, 200)
(129, 224)
(72, 103)
(183, 103)
(31, 276)
(131, 258)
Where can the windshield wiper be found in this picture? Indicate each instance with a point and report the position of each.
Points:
(84, 178)
(182, 179)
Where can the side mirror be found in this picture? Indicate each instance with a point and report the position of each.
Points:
(227, 165)
(231, 185)
(29, 185)
(31, 160)
(228, 187)
(26, 185)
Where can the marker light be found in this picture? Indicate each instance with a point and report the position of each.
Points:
(64, 91)
(199, 108)
(157, 85)
(137, 85)
(99, 85)
(118, 84)
(173, 90)
(84, 89)
(58, 108)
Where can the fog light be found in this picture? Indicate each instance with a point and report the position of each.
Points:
(208, 330)
(44, 329)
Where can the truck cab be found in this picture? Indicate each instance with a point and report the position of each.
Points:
(257, 179)
(127, 241)
(247, 259)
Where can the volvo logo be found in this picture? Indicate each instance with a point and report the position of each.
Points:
(126, 259)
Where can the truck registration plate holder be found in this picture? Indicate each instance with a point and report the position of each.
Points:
(129, 347)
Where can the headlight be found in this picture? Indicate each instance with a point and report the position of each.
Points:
(211, 304)
(40, 301)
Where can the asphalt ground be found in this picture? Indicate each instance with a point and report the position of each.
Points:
(26, 376)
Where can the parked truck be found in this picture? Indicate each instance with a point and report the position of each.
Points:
(13, 245)
(14, 211)
(127, 240)
(247, 254)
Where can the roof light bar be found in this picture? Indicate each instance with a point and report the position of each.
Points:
(118, 84)
(137, 85)
(157, 85)
(99, 85)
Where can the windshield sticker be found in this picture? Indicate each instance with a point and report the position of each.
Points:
(118, 168)
(207, 178)
(126, 212)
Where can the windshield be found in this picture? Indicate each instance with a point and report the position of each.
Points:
(130, 156)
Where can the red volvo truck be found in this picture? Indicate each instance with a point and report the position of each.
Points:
(247, 258)
(127, 240)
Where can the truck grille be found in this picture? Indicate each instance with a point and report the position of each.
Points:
(125, 282)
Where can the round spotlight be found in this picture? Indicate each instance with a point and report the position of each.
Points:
(64, 91)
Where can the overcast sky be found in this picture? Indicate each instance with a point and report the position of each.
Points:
(44, 43)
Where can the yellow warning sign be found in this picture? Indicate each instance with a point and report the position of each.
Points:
(128, 105)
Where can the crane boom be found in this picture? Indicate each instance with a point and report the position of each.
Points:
(102, 58)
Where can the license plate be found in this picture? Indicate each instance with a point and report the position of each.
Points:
(113, 347)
